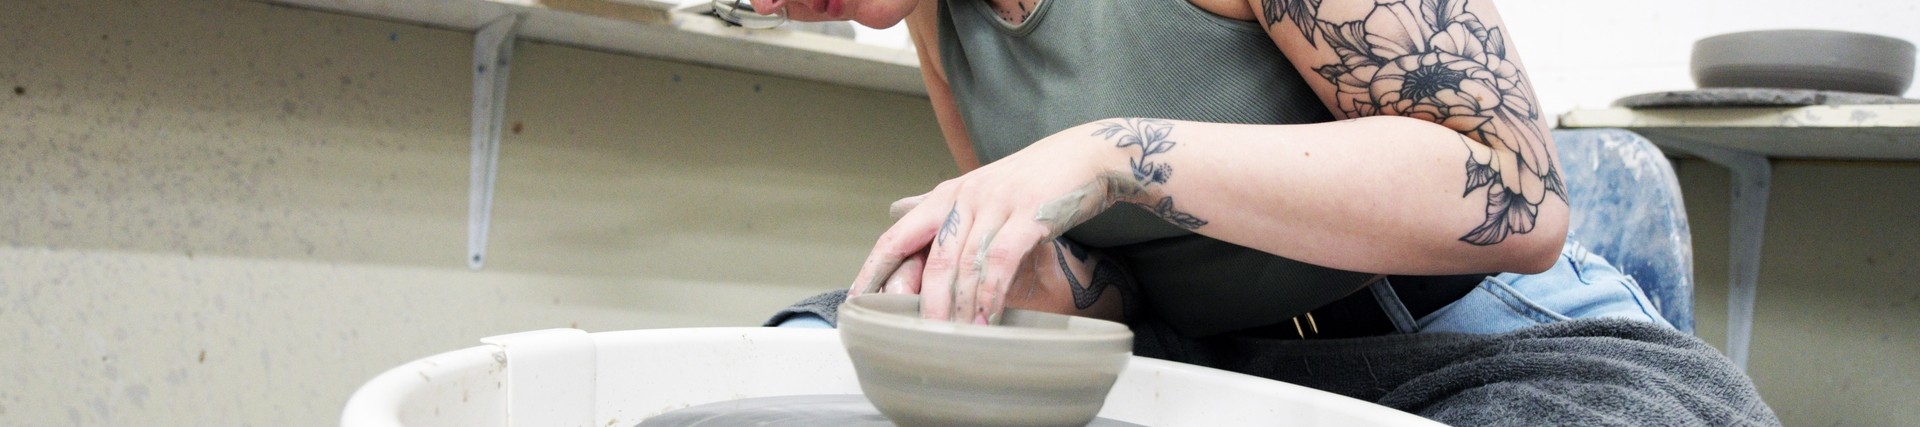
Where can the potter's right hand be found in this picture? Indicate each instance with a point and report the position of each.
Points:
(1060, 276)
(980, 228)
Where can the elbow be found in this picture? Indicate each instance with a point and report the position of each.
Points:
(1538, 256)
(1538, 250)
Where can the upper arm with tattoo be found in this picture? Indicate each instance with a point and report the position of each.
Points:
(1445, 61)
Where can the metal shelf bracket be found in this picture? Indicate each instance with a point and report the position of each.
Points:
(1752, 179)
(492, 57)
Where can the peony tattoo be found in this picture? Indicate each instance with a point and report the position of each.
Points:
(1436, 61)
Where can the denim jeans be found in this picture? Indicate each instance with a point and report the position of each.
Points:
(1580, 285)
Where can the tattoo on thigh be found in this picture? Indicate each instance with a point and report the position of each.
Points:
(1149, 136)
(1083, 295)
(1434, 60)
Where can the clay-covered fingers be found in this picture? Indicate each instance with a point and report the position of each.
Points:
(899, 208)
(993, 243)
(944, 259)
(997, 263)
(906, 280)
(972, 265)
(908, 236)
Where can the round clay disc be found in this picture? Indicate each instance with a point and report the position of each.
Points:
(1755, 97)
(822, 410)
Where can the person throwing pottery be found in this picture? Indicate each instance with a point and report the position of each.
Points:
(1263, 186)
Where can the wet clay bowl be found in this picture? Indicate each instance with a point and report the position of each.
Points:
(1034, 369)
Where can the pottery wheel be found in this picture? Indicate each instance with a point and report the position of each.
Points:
(825, 410)
(1754, 97)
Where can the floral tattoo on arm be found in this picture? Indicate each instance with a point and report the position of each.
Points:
(1434, 60)
(1150, 137)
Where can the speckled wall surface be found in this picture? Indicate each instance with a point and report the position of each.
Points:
(228, 213)
(1837, 320)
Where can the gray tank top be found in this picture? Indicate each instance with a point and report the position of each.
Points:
(1076, 61)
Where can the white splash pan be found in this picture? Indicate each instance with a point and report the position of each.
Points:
(568, 377)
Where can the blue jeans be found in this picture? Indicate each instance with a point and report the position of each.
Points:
(1580, 285)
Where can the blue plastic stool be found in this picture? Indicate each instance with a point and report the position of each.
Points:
(1626, 207)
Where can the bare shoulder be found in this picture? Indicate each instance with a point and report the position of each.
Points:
(922, 30)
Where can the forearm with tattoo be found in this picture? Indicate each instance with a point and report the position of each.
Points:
(1145, 138)
(1149, 137)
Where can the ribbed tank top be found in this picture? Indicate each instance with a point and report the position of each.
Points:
(1076, 61)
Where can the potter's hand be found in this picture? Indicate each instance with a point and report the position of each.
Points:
(1059, 277)
(978, 230)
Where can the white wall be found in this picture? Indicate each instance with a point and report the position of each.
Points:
(1590, 52)
(1587, 53)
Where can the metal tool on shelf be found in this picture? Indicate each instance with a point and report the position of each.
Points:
(740, 12)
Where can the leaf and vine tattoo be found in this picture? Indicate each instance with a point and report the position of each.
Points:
(1434, 60)
(1150, 136)
(949, 227)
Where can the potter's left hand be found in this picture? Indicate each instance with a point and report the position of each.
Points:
(977, 230)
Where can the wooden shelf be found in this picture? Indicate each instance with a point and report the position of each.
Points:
(654, 28)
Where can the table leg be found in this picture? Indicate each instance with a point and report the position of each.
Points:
(1752, 178)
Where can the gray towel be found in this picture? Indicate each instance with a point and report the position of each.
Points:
(1579, 372)
(826, 305)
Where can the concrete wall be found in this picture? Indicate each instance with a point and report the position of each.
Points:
(1834, 331)
(227, 213)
